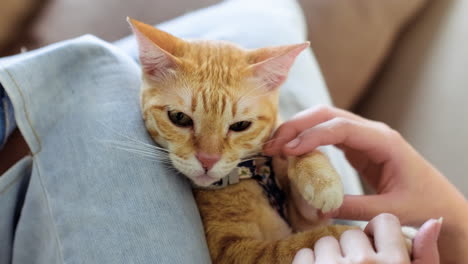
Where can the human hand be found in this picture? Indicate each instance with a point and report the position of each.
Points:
(388, 245)
(406, 184)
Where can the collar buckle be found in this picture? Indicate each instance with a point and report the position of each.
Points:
(232, 178)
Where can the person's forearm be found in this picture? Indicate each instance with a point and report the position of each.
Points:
(447, 202)
(453, 239)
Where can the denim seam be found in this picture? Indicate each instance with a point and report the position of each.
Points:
(44, 191)
(49, 209)
(26, 113)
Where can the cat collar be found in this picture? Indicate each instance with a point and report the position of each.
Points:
(260, 168)
(256, 167)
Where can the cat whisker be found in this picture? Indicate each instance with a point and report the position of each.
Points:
(132, 139)
(251, 98)
(137, 147)
(153, 155)
(246, 95)
(254, 97)
(159, 161)
(255, 157)
(143, 154)
(255, 89)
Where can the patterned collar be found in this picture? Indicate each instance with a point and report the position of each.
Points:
(260, 169)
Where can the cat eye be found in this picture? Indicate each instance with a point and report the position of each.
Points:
(180, 119)
(240, 126)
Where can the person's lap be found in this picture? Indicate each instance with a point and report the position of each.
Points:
(81, 199)
(86, 201)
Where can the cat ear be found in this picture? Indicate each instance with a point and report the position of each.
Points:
(271, 65)
(155, 48)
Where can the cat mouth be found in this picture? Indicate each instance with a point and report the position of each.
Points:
(204, 180)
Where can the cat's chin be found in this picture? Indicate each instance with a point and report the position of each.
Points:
(204, 180)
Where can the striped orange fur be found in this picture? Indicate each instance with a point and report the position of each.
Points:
(217, 84)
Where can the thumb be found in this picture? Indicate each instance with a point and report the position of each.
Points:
(425, 243)
(362, 207)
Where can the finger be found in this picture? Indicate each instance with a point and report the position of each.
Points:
(388, 238)
(274, 145)
(304, 256)
(363, 207)
(425, 249)
(302, 121)
(319, 114)
(327, 250)
(355, 244)
(371, 138)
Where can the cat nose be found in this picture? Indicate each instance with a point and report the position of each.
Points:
(207, 160)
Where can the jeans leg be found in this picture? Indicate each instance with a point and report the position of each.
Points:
(13, 186)
(88, 201)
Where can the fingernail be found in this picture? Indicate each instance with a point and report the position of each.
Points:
(439, 227)
(293, 144)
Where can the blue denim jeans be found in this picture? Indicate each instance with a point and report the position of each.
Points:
(7, 120)
(78, 199)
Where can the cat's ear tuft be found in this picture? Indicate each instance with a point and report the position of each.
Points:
(272, 64)
(156, 49)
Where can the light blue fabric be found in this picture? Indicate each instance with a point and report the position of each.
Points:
(78, 199)
(13, 186)
(88, 202)
(7, 120)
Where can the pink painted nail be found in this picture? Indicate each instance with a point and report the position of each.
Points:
(294, 143)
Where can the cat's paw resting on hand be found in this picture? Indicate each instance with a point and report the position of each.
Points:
(313, 176)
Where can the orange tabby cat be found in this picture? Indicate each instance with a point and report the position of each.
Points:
(212, 104)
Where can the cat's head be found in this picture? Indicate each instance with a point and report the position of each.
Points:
(210, 103)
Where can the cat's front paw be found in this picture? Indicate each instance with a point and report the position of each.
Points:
(317, 181)
(325, 198)
(409, 233)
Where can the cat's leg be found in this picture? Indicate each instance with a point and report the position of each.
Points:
(232, 249)
(302, 214)
(314, 178)
(242, 227)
